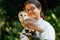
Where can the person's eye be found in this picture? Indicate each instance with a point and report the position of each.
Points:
(26, 10)
(32, 8)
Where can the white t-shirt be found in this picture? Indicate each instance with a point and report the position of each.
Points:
(49, 32)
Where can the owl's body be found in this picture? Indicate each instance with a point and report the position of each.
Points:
(27, 34)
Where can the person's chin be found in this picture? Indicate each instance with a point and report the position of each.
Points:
(34, 17)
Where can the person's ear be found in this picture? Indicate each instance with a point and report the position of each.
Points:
(40, 8)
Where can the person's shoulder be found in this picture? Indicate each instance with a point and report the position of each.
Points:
(47, 23)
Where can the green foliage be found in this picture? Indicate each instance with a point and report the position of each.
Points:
(54, 21)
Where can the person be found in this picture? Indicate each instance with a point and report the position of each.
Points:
(35, 21)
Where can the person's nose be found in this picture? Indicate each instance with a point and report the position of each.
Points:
(30, 11)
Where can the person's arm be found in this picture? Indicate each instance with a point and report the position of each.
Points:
(33, 26)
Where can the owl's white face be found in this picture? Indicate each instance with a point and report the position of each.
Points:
(23, 13)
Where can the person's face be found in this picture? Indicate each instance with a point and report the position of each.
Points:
(32, 11)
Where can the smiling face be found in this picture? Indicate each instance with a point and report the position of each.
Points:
(32, 11)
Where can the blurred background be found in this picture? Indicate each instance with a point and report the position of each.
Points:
(10, 27)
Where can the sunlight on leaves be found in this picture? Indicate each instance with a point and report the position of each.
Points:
(54, 17)
(16, 38)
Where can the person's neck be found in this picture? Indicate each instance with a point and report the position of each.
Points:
(38, 18)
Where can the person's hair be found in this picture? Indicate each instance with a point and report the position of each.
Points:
(36, 3)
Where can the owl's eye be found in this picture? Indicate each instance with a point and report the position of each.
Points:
(24, 15)
(21, 14)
